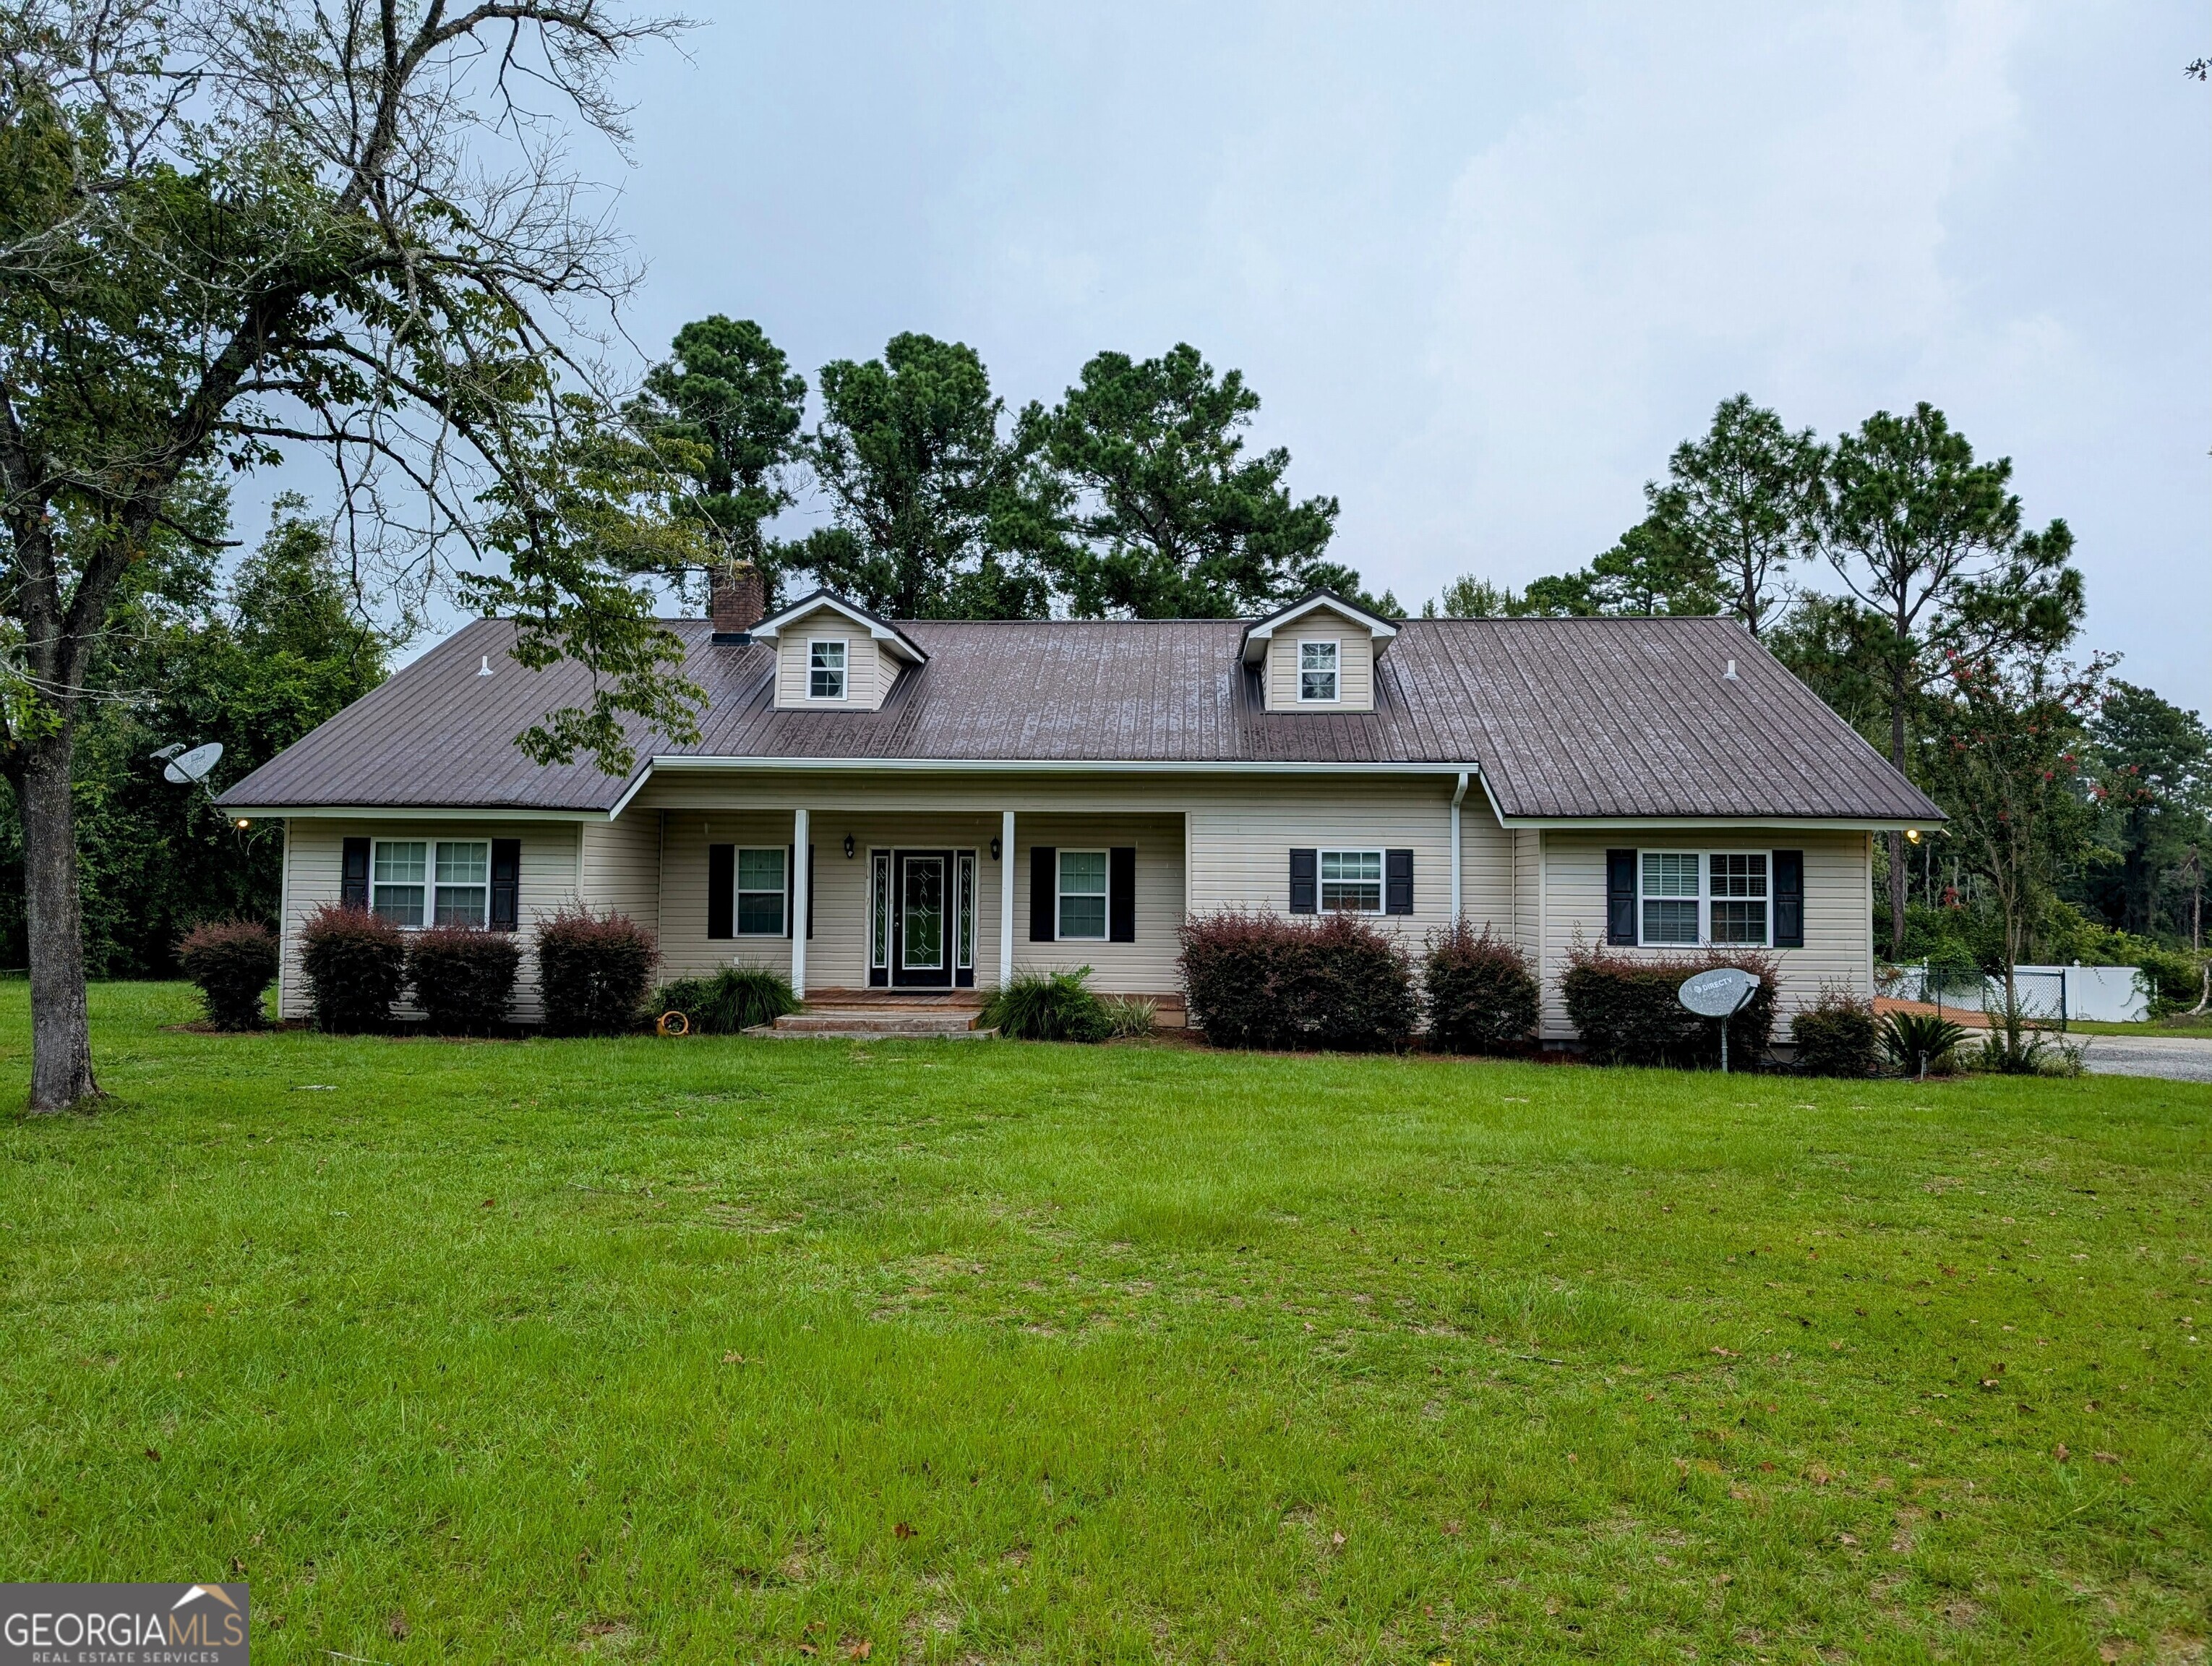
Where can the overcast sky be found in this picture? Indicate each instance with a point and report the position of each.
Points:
(1485, 266)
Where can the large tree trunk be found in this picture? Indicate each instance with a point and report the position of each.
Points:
(61, 1037)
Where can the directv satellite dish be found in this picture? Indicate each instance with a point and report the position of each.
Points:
(1719, 994)
(194, 765)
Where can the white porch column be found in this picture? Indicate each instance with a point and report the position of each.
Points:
(1458, 792)
(801, 903)
(1005, 898)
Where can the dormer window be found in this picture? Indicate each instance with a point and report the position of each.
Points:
(1317, 670)
(825, 670)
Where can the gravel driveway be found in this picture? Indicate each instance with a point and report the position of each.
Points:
(2176, 1058)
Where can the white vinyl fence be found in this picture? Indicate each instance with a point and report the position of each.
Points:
(2098, 994)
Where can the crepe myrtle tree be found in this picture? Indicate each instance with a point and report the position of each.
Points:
(349, 226)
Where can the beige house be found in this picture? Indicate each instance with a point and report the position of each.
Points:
(920, 806)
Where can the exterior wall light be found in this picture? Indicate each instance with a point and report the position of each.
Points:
(994, 849)
(849, 846)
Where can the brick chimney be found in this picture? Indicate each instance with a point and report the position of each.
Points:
(736, 600)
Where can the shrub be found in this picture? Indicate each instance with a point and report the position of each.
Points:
(1628, 1011)
(1258, 980)
(2173, 978)
(735, 999)
(464, 977)
(1481, 997)
(233, 961)
(1132, 1018)
(1921, 1041)
(593, 970)
(355, 964)
(1048, 1006)
(1835, 1036)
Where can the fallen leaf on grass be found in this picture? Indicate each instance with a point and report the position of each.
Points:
(153, 1455)
(1337, 1539)
(1727, 1353)
(2106, 1458)
(733, 1359)
(902, 1529)
(2060, 1452)
(397, 1627)
(860, 1650)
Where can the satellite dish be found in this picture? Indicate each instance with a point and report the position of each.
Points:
(194, 765)
(1719, 993)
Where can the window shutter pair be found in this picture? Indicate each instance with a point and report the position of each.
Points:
(1620, 897)
(721, 890)
(353, 883)
(506, 885)
(1788, 899)
(1121, 893)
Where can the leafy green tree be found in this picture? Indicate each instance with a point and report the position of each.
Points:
(1929, 541)
(1470, 597)
(725, 410)
(1169, 517)
(937, 514)
(226, 228)
(1739, 507)
(2155, 771)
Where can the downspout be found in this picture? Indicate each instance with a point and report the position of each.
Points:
(1459, 792)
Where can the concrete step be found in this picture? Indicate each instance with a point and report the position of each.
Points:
(878, 1021)
(771, 1033)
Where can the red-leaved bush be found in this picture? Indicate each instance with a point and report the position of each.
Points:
(233, 961)
(463, 977)
(355, 964)
(593, 970)
(1259, 980)
(1481, 996)
(1629, 1010)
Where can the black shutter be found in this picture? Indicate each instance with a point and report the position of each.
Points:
(1305, 889)
(721, 890)
(1621, 897)
(506, 884)
(1121, 894)
(1397, 882)
(810, 890)
(353, 886)
(1788, 899)
(1044, 893)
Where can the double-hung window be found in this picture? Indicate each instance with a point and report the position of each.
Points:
(1082, 894)
(825, 670)
(760, 890)
(424, 882)
(1317, 670)
(1352, 879)
(1738, 902)
(1671, 896)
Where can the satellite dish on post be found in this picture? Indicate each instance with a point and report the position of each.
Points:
(1719, 994)
(184, 768)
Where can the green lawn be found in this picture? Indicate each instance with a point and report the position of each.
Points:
(724, 1351)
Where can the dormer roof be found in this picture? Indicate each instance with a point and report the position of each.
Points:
(894, 641)
(1260, 632)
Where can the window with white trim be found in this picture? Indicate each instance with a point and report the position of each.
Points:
(1688, 899)
(1352, 879)
(1082, 894)
(760, 890)
(431, 882)
(1671, 897)
(825, 670)
(1317, 670)
(1736, 881)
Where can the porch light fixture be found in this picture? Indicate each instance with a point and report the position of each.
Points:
(994, 848)
(849, 846)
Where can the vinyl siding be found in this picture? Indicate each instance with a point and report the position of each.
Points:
(314, 851)
(621, 867)
(868, 675)
(1355, 683)
(1838, 916)
(1527, 882)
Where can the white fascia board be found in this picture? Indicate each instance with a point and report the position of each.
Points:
(769, 631)
(1715, 824)
(1055, 766)
(1380, 630)
(408, 813)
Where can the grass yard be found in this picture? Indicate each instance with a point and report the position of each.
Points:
(707, 1350)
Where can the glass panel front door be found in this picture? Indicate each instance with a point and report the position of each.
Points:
(921, 956)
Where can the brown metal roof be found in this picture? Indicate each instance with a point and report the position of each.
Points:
(1566, 718)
